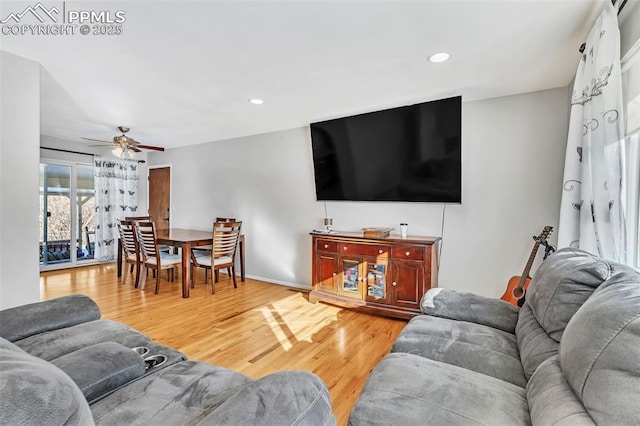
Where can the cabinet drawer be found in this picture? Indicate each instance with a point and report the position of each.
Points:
(363, 249)
(324, 245)
(409, 253)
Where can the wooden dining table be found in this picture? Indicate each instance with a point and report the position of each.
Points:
(185, 239)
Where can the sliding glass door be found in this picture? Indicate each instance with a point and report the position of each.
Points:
(86, 210)
(67, 209)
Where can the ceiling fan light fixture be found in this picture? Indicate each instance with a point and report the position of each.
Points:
(123, 143)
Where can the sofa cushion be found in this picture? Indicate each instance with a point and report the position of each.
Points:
(462, 306)
(301, 397)
(178, 394)
(24, 321)
(193, 393)
(57, 343)
(599, 353)
(406, 389)
(559, 288)
(551, 399)
(101, 368)
(476, 347)
(35, 392)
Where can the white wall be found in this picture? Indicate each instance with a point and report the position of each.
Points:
(513, 154)
(629, 27)
(514, 150)
(267, 182)
(20, 139)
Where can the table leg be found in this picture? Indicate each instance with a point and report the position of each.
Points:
(119, 254)
(242, 259)
(186, 248)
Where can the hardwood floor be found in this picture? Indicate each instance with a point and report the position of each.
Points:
(256, 329)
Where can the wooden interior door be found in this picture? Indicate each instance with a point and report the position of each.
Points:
(160, 196)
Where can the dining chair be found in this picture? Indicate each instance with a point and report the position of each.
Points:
(161, 247)
(223, 254)
(151, 257)
(127, 233)
(205, 250)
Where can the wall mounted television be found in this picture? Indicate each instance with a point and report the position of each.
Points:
(409, 153)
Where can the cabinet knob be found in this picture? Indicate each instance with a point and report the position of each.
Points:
(344, 248)
(380, 251)
(407, 253)
(326, 246)
(360, 279)
(334, 274)
(394, 284)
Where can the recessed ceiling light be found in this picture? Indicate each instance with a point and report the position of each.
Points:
(439, 57)
(256, 101)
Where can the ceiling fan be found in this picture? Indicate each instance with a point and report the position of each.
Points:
(125, 144)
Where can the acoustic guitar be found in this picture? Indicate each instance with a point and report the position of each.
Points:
(517, 285)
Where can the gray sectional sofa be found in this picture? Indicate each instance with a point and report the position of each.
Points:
(60, 364)
(570, 356)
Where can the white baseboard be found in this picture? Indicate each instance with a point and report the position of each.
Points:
(272, 281)
(285, 283)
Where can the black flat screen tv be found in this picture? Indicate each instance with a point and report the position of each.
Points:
(409, 153)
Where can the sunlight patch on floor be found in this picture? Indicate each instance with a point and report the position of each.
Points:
(291, 326)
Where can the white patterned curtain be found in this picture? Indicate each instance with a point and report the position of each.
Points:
(116, 184)
(592, 211)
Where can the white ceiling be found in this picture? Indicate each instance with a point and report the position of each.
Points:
(182, 72)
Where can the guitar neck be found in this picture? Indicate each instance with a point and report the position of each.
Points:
(532, 257)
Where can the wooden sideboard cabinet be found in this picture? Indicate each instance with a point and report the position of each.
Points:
(386, 276)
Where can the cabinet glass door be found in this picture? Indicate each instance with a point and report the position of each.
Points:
(376, 281)
(350, 277)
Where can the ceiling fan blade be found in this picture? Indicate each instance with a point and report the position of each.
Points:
(97, 140)
(134, 149)
(151, 147)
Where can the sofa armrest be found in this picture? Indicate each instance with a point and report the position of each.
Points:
(461, 306)
(24, 321)
(101, 368)
(283, 398)
(34, 392)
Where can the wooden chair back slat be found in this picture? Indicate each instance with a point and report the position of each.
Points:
(225, 219)
(128, 237)
(146, 234)
(225, 238)
(139, 218)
